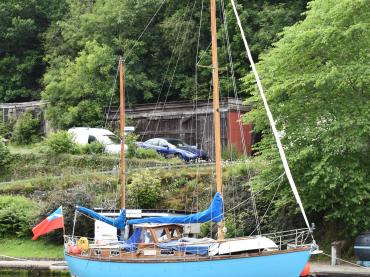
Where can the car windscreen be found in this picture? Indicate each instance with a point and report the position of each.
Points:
(177, 143)
(111, 139)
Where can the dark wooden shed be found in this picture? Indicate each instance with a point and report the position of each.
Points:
(190, 121)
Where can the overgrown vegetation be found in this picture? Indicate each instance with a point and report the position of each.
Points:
(27, 129)
(17, 214)
(61, 142)
(4, 156)
(144, 189)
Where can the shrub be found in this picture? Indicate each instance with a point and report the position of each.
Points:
(17, 214)
(93, 148)
(144, 189)
(143, 153)
(4, 155)
(6, 129)
(61, 142)
(133, 151)
(27, 129)
(231, 153)
(130, 141)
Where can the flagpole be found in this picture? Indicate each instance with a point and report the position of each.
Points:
(74, 224)
(64, 230)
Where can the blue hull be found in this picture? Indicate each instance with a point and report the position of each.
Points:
(278, 265)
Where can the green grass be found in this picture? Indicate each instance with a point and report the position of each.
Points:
(27, 248)
(23, 149)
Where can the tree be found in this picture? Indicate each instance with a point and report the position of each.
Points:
(78, 93)
(22, 24)
(317, 81)
(159, 63)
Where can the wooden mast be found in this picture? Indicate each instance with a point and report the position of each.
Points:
(122, 130)
(216, 111)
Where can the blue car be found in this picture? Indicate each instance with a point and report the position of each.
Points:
(169, 147)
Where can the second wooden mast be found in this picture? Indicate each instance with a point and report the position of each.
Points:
(216, 111)
(122, 130)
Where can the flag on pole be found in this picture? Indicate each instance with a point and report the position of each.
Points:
(52, 222)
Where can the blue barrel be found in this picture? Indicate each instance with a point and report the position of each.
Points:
(362, 247)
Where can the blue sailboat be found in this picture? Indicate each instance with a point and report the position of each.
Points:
(157, 245)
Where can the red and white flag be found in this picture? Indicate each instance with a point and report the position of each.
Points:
(52, 222)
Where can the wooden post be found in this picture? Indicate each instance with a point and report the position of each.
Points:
(216, 111)
(336, 252)
(122, 131)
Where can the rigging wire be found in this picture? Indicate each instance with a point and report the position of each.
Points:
(241, 130)
(177, 62)
(196, 102)
(268, 208)
(143, 32)
(179, 32)
(111, 96)
(272, 121)
(256, 193)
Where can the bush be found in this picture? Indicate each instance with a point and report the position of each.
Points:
(27, 129)
(4, 155)
(231, 153)
(17, 214)
(6, 129)
(61, 142)
(142, 153)
(133, 151)
(93, 148)
(144, 189)
(130, 141)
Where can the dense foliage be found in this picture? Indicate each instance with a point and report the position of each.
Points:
(17, 214)
(4, 155)
(317, 83)
(61, 143)
(23, 24)
(144, 190)
(27, 129)
(82, 51)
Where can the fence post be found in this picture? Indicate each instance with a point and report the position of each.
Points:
(336, 252)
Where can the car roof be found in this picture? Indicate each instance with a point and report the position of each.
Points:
(91, 131)
(168, 138)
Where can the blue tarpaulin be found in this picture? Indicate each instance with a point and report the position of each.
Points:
(213, 213)
(118, 222)
(131, 244)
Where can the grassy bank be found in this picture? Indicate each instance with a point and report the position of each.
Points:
(26, 248)
(31, 164)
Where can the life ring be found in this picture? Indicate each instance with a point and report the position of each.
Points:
(83, 244)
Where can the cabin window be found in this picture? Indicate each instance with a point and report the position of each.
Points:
(146, 237)
(161, 235)
(174, 233)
